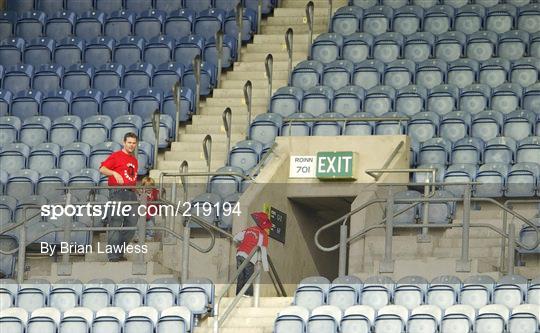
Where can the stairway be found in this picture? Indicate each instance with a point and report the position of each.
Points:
(230, 93)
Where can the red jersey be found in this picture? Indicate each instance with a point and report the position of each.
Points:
(151, 195)
(251, 238)
(126, 165)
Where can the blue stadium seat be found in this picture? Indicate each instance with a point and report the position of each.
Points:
(197, 5)
(78, 78)
(423, 126)
(267, 5)
(141, 319)
(513, 45)
(348, 100)
(129, 294)
(307, 74)
(128, 51)
(13, 157)
(5, 102)
(43, 157)
(146, 101)
(229, 51)
(481, 45)
(145, 157)
(18, 78)
(26, 104)
(410, 290)
(89, 25)
(528, 18)
(368, 74)
(97, 294)
(179, 23)
(344, 292)
(522, 180)
(286, 101)
(84, 177)
(101, 151)
(455, 126)
(176, 318)
(50, 6)
(407, 19)
(494, 72)
(443, 290)
(51, 180)
(337, 74)
(168, 6)
(463, 72)
(56, 104)
(311, 292)
(492, 177)
(11, 50)
(519, 124)
(21, 183)
(292, 128)
(209, 22)
(500, 150)
(60, 25)
(159, 50)
(20, 6)
(9, 129)
(95, 129)
(80, 6)
(211, 217)
(74, 157)
(65, 294)
(292, 319)
(149, 23)
(377, 20)
(431, 73)
(108, 77)
(35, 130)
(165, 131)
(408, 216)
(528, 150)
(501, 18)
(377, 291)
(65, 130)
(380, 100)
(108, 6)
(440, 213)
(124, 124)
(324, 319)
(138, 5)
(359, 127)
(7, 209)
(245, 154)
(469, 19)
(99, 51)
(109, 320)
(387, 47)
(477, 291)
(187, 48)
(357, 47)
(225, 185)
(510, 291)
(506, 98)
(197, 294)
(435, 151)
(468, 150)
(187, 105)
(30, 25)
(487, 125)
(396, 127)
(534, 45)
(249, 24)
(207, 79)
(167, 75)
(475, 98)
(138, 76)
(69, 51)
(395, 4)
(86, 103)
(439, 19)
(117, 102)
(327, 48)
(226, 5)
(459, 173)
(411, 100)
(317, 100)
(450, 46)
(119, 24)
(531, 97)
(418, 47)
(265, 128)
(47, 78)
(33, 294)
(399, 73)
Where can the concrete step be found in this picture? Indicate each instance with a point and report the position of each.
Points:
(299, 12)
(259, 66)
(236, 92)
(241, 119)
(192, 156)
(303, 29)
(303, 3)
(277, 76)
(193, 165)
(275, 47)
(232, 101)
(265, 302)
(456, 242)
(273, 21)
(239, 111)
(238, 81)
(187, 147)
(278, 56)
(197, 138)
(279, 38)
(244, 321)
(235, 330)
(474, 252)
(213, 129)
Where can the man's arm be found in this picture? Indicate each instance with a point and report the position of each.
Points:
(108, 172)
(239, 236)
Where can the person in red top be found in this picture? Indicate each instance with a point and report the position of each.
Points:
(121, 168)
(249, 239)
(152, 209)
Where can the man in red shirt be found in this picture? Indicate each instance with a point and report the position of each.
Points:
(121, 168)
(249, 239)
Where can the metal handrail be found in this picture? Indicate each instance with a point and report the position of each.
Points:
(248, 89)
(207, 151)
(178, 101)
(259, 15)
(240, 27)
(226, 116)
(289, 34)
(156, 124)
(255, 170)
(219, 49)
(389, 160)
(269, 68)
(330, 9)
(309, 19)
(197, 71)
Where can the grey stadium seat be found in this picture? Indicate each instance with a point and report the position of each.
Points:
(312, 292)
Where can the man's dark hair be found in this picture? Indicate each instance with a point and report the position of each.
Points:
(131, 135)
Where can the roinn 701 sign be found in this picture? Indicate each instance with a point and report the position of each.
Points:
(327, 165)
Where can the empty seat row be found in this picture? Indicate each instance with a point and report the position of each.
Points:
(148, 24)
(197, 294)
(108, 320)
(436, 19)
(409, 100)
(412, 291)
(104, 51)
(110, 6)
(494, 318)
(429, 3)
(481, 46)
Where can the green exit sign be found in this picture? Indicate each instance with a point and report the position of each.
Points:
(338, 165)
